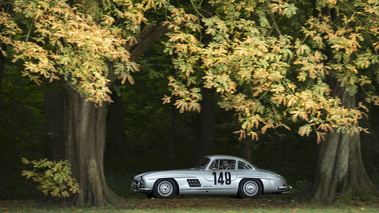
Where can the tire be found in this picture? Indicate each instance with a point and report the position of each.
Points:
(150, 195)
(250, 188)
(165, 189)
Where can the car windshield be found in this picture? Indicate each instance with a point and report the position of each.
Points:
(202, 163)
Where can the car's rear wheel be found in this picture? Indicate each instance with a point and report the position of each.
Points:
(165, 189)
(250, 188)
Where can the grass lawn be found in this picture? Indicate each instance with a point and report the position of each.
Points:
(197, 205)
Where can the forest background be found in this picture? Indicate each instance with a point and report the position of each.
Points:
(143, 134)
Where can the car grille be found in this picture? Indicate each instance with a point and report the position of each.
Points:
(194, 182)
(137, 185)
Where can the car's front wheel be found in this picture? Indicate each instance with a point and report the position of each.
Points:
(150, 195)
(250, 188)
(164, 189)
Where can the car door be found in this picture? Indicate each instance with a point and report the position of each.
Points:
(222, 180)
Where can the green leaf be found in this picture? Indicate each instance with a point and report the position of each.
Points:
(55, 179)
(289, 10)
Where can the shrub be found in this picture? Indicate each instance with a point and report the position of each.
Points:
(53, 177)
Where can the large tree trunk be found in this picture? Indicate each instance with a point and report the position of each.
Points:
(54, 125)
(2, 69)
(246, 149)
(340, 172)
(84, 133)
(116, 137)
(205, 127)
(172, 136)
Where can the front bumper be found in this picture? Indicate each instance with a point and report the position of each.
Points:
(138, 187)
(285, 189)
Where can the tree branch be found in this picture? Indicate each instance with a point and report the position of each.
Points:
(147, 37)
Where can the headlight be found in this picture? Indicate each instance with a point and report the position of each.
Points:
(138, 178)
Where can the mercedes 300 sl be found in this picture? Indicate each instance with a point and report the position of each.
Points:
(214, 175)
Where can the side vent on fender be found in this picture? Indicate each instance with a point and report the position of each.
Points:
(194, 182)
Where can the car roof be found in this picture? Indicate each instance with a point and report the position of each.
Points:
(225, 156)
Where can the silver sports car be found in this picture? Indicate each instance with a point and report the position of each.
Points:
(214, 175)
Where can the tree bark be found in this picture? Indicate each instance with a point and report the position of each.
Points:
(116, 137)
(54, 125)
(2, 69)
(205, 128)
(84, 132)
(340, 172)
(246, 149)
(172, 136)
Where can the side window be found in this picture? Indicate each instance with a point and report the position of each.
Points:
(203, 163)
(243, 165)
(214, 165)
(227, 164)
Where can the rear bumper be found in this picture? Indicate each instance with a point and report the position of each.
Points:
(285, 189)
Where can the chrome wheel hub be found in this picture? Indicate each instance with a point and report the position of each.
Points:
(251, 188)
(165, 188)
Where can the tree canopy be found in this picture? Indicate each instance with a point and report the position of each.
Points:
(264, 64)
(272, 61)
(88, 47)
